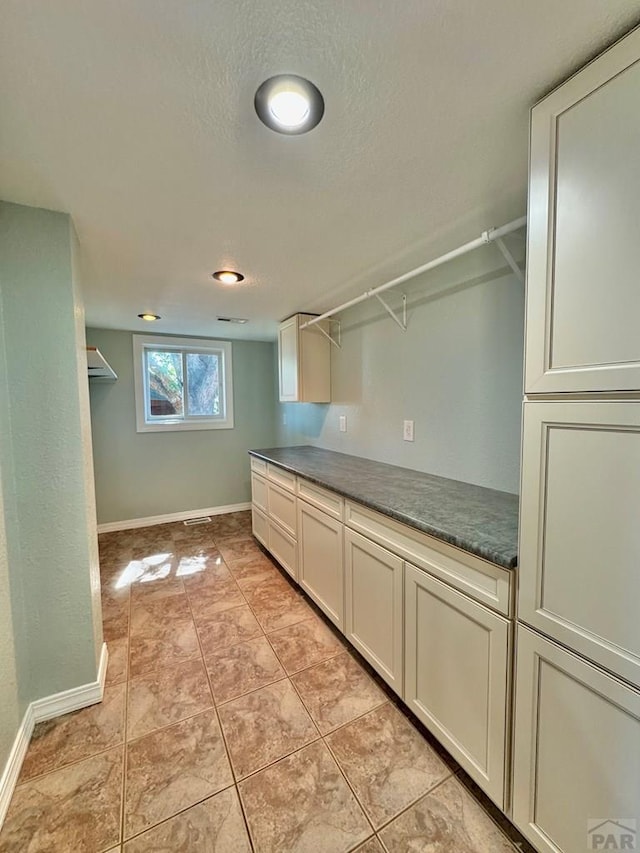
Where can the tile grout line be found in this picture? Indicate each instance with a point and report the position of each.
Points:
(123, 791)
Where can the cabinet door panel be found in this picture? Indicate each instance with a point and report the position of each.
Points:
(288, 360)
(282, 508)
(457, 675)
(583, 257)
(321, 565)
(259, 492)
(284, 548)
(579, 535)
(576, 748)
(374, 606)
(260, 525)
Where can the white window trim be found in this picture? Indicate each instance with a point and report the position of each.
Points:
(201, 345)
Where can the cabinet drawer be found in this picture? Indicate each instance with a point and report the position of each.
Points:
(284, 548)
(283, 478)
(327, 501)
(259, 492)
(282, 508)
(258, 465)
(485, 582)
(457, 670)
(260, 525)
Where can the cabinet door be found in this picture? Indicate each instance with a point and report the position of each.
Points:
(577, 752)
(260, 525)
(579, 531)
(457, 676)
(288, 360)
(259, 492)
(284, 548)
(374, 606)
(282, 508)
(583, 257)
(321, 568)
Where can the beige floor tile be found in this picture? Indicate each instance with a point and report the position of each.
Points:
(305, 643)
(303, 804)
(388, 763)
(337, 691)
(263, 590)
(283, 612)
(160, 588)
(238, 669)
(214, 826)
(207, 602)
(74, 809)
(167, 696)
(212, 576)
(153, 617)
(115, 623)
(370, 846)
(118, 666)
(228, 628)
(147, 654)
(265, 725)
(252, 570)
(172, 769)
(238, 548)
(447, 819)
(72, 737)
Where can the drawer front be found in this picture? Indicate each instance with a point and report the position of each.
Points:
(485, 582)
(258, 465)
(284, 548)
(327, 501)
(259, 492)
(282, 508)
(260, 525)
(283, 478)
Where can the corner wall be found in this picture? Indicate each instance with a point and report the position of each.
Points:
(456, 372)
(147, 474)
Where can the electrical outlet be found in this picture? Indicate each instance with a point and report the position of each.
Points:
(407, 432)
(343, 423)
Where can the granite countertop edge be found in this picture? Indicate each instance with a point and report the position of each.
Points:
(504, 559)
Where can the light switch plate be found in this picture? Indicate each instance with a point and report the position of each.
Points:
(407, 432)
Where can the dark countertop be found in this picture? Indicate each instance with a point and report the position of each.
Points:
(481, 521)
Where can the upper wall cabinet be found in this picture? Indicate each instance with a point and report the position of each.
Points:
(583, 293)
(304, 362)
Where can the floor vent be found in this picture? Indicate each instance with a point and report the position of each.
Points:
(191, 521)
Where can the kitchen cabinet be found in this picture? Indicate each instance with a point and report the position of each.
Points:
(457, 676)
(374, 606)
(284, 548)
(320, 561)
(304, 361)
(577, 739)
(583, 255)
(579, 535)
(260, 525)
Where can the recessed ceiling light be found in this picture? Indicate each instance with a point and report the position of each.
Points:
(240, 320)
(289, 104)
(149, 317)
(228, 276)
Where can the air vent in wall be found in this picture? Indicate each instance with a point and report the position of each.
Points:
(191, 521)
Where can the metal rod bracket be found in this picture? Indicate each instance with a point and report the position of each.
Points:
(402, 323)
(509, 258)
(329, 337)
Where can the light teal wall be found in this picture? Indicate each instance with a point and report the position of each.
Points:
(146, 474)
(456, 371)
(44, 438)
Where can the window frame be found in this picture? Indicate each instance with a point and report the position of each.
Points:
(202, 346)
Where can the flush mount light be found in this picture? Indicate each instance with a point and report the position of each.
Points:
(149, 317)
(289, 104)
(228, 276)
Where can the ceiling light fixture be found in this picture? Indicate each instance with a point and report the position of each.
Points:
(240, 320)
(228, 276)
(149, 317)
(289, 104)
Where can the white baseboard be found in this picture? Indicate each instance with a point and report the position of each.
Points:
(46, 709)
(151, 520)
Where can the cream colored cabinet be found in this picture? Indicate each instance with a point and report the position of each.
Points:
(583, 256)
(577, 743)
(259, 495)
(579, 531)
(457, 669)
(282, 508)
(260, 525)
(284, 548)
(374, 606)
(320, 560)
(304, 362)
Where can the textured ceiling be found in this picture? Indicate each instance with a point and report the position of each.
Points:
(136, 116)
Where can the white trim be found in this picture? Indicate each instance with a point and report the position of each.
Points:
(75, 698)
(151, 520)
(9, 778)
(46, 709)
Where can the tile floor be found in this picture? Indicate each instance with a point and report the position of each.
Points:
(233, 720)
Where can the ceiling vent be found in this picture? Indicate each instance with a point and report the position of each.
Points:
(239, 320)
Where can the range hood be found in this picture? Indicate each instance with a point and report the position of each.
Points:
(99, 368)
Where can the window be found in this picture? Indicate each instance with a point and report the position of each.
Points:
(182, 383)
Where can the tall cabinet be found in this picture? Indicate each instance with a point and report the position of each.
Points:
(577, 716)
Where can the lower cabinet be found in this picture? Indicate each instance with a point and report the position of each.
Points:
(260, 525)
(374, 606)
(457, 676)
(576, 752)
(320, 564)
(284, 548)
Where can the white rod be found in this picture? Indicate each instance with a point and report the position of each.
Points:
(486, 237)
